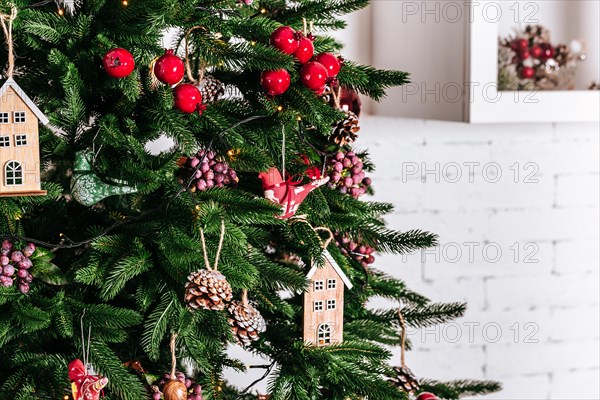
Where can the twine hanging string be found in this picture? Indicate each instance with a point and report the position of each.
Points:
(86, 352)
(336, 93)
(245, 297)
(324, 243)
(188, 68)
(402, 338)
(173, 356)
(283, 151)
(7, 21)
(215, 267)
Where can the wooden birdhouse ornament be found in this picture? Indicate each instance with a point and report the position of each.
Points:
(19, 142)
(19, 131)
(324, 303)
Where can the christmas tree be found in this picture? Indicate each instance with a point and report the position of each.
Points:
(148, 265)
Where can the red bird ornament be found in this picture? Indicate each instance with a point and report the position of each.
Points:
(84, 386)
(289, 193)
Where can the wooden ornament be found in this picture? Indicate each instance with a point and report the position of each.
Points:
(324, 303)
(19, 142)
(175, 390)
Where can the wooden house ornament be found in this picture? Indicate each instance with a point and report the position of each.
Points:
(324, 303)
(19, 142)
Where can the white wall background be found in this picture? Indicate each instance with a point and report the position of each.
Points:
(516, 207)
(532, 320)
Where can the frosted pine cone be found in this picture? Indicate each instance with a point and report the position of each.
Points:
(405, 380)
(211, 89)
(208, 290)
(345, 131)
(246, 322)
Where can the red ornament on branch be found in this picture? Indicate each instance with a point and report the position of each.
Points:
(330, 62)
(285, 39)
(289, 193)
(427, 396)
(169, 68)
(527, 73)
(275, 82)
(188, 98)
(305, 51)
(536, 51)
(84, 386)
(314, 75)
(118, 63)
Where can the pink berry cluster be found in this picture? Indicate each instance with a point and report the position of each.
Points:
(194, 389)
(14, 266)
(360, 252)
(347, 175)
(207, 171)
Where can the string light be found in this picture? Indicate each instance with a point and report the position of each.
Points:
(66, 397)
(299, 118)
(125, 3)
(280, 108)
(61, 11)
(263, 10)
(253, 43)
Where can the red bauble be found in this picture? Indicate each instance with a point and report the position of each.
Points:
(118, 63)
(547, 51)
(169, 68)
(305, 51)
(527, 73)
(427, 396)
(313, 75)
(330, 62)
(187, 98)
(524, 54)
(536, 51)
(521, 44)
(285, 39)
(275, 82)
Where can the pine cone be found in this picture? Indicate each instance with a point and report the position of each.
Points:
(345, 131)
(405, 380)
(211, 89)
(246, 322)
(208, 290)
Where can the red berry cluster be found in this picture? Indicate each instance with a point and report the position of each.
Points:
(168, 69)
(194, 389)
(527, 56)
(360, 252)
(207, 171)
(14, 266)
(347, 175)
(313, 74)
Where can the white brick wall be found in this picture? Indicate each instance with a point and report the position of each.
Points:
(533, 317)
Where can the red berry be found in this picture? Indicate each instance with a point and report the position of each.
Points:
(522, 44)
(118, 63)
(330, 62)
(284, 38)
(548, 52)
(305, 51)
(313, 75)
(527, 73)
(187, 98)
(524, 54)
(427, 396)
(169, 68)
(536, 51)
(275, 82)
